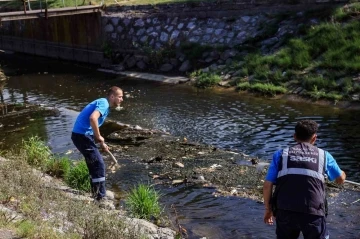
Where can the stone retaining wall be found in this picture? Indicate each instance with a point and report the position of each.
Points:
(209, 23)
(215, 24)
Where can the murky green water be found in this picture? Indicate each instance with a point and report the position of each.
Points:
(222, 118)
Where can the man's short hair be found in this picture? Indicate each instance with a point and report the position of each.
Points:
(305, 129)
(113, 90)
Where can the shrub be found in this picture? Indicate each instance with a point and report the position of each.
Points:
(345, 57)
(319, 82)
(282, 59)
(262, 72)
(58, 167)
(253, 61)
(36, 152)
(143, 202)
(78, 177)
(204, 80)
(324, 37)
(299, 53)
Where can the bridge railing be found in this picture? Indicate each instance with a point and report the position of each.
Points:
(28, 5)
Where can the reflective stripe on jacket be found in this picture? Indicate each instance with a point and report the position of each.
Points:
(300, 180)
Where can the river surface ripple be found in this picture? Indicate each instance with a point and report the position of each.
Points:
(226, 119)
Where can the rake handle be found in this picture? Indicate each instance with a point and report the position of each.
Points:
(351, 182)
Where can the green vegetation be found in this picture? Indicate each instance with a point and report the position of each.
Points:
(36, 152)
(48, 212)
(321, 61)
(58, 167)
(266, 89)
(78, 177)
(143, 202)
(205, 79)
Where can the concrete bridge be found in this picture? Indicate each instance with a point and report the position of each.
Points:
(70, 33)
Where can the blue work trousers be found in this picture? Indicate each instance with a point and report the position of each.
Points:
(94, 161)
(289, 225)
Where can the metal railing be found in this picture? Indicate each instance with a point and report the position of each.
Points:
(42, 5)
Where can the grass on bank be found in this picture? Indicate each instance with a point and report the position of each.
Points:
(322, 59)
(48, 213)
(36, 153)
(266, 89)
(143, 202)
(205, 79)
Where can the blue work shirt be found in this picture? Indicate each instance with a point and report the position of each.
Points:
(332, 169)
(82, 123)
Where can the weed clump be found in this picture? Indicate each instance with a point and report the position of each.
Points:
(143, 202)
(36, 151)
(78, 177)
(58, 167)
(205, 79)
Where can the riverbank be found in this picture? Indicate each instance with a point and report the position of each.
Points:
(290, 96)
(35, 205)
(307, 53)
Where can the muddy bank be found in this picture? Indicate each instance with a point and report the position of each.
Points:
(174, 161)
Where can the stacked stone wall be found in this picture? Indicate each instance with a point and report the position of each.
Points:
(134, 30)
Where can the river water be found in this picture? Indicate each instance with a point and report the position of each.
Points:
(223, 118)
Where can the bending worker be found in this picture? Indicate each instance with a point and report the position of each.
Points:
(299, 200)
(86, 130)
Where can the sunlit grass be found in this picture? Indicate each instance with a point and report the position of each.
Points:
(143, 202)
(48, 212)
(78, 177)
(37, 153)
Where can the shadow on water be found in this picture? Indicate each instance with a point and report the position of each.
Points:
(225, 119)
